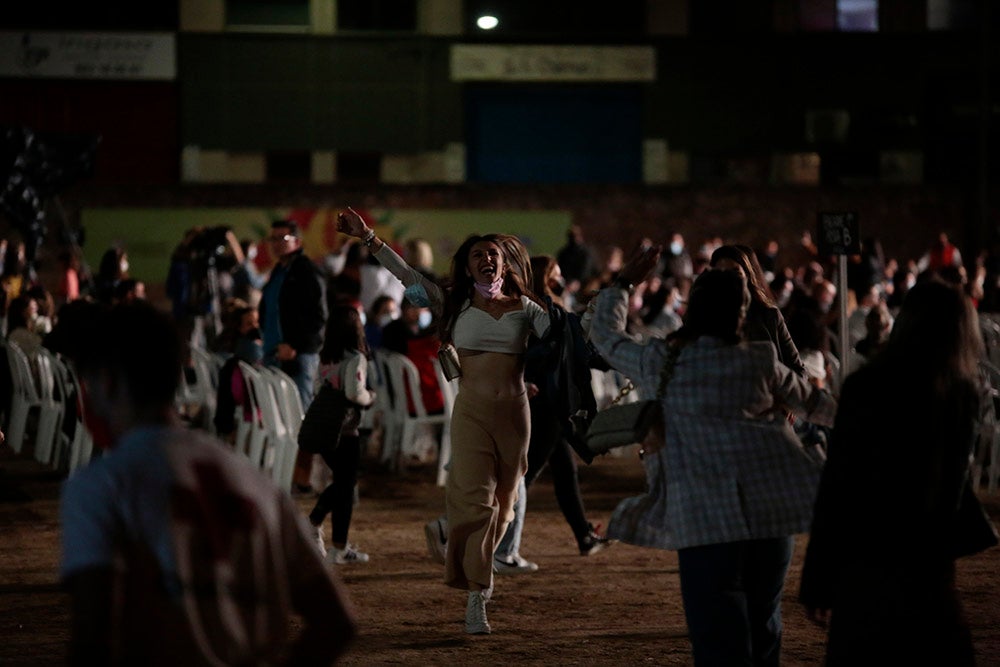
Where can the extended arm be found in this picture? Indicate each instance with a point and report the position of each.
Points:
(350, 223)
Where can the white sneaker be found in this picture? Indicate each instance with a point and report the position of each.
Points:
(437, 540)
(475, 614)
(514, 565)
(349, 555)
(318, 538)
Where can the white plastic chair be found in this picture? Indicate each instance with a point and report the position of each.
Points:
(206, 387)
(449, 388)
(290, 414)
(405, 379)
(257, 433)
(280, 445)
(27, 396)
(81, 448)
(986, 458)
(53, 389)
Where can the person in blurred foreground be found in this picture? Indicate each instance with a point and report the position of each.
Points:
(175, 550)
(879, 571)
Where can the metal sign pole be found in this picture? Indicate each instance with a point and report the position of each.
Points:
(840, 235)
(845, 343)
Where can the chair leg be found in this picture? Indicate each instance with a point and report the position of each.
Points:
(45, 434)
(994, 469)
(18, 423)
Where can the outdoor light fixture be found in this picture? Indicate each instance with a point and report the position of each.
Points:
(487, 22)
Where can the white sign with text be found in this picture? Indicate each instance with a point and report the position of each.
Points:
(88, 55)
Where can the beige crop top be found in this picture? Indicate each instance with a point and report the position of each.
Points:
(475, 329)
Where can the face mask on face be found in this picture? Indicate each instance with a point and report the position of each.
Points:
(364, 318)
(490, 290)
(676, 248)
(424, 319)
(383, 320)
(249, 348)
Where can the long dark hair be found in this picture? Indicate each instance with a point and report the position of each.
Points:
(743, 255)
(716, 305)
(936, 336)
(516, 276)
(344, 332)
(542, 267)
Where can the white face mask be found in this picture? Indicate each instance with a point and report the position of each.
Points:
(384, 320)
(364, 319)
(676, 248)
(124, 266)
(425, 318)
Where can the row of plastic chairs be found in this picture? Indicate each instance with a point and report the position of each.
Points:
(46, 391)
(269, 436)
(199, 398)
(986, 458)
(401, 427)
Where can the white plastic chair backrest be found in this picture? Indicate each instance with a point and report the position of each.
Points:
(405, 379)
(60, 373)
(268, 401)
(46, 377)
(286, 394)
(205, 367)
(249, 375)
(448, 387)
(21, 375)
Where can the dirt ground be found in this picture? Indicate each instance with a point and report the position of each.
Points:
(621, 606)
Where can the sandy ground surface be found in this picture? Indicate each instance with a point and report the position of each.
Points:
(621, 606)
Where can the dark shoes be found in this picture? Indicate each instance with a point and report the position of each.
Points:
(592, 542)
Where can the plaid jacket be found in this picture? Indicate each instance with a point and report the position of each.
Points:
(731, 469)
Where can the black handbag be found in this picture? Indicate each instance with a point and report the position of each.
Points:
(324, 421)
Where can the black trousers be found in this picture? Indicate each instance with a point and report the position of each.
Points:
(337, 499)
(548, 447)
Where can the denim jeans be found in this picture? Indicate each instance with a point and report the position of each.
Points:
(510, 545)
(303, 370)
(732, 600)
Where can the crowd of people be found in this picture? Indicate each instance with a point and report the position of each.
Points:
(737, 346)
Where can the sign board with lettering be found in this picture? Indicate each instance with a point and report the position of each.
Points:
(142, 56)
(838, 234)
(492, 62)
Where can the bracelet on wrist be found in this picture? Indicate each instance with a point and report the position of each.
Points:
(369, 237)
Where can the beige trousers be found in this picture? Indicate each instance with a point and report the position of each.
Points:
(489, 456)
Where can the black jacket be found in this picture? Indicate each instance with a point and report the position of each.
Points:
(301, 306)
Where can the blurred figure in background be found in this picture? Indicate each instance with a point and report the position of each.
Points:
(242, 339)
(382, 313)
(112, 270)
(69, 277)
(293, 314)
(576, 260)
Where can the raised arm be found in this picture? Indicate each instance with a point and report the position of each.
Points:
(640, 362)
(350, 223)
